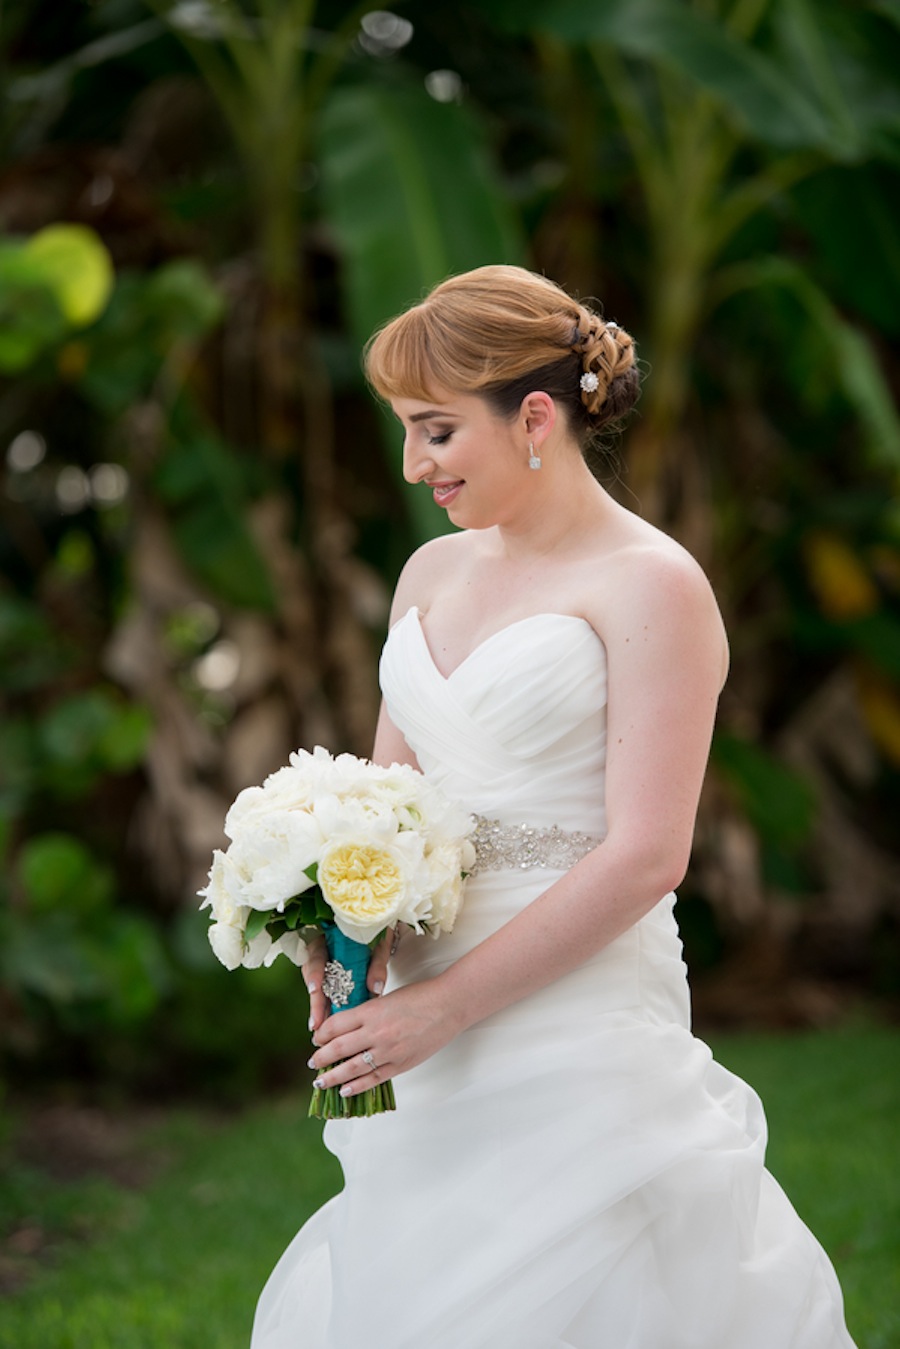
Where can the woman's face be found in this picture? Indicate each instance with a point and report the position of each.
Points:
(475, 462)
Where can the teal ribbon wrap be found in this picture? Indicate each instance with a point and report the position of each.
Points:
(345, 986)
(353, 957)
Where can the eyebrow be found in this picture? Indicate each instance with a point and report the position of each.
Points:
(432, 412)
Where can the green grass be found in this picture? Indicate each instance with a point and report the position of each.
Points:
(179, 1265)
(833, 1105)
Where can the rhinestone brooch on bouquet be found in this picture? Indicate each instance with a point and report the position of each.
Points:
(338, 984)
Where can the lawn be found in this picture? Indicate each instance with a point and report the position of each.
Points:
(177, 1262)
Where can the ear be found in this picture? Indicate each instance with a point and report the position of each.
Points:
(538, 415)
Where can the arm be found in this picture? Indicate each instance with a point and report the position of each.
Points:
(667, 664)
(666, 656)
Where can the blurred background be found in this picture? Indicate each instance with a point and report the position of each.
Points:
(205, 208)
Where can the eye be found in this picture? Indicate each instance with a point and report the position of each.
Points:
(440, 440)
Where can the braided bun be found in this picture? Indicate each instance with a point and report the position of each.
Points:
(609, 380)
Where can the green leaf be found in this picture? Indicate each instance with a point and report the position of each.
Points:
(132, 966)
(858, 249)
(412, 196)
(766, 97)
(149, 320)
(78, 268)
(51, 958)
(31, 319)
(122, 745)
(878, 636)
(855, 367)
(256, 923)
(203, 480)
(57, 871)
(780, 803)
(19, 765)
(30, 651)
(312, 871)
(91, 733)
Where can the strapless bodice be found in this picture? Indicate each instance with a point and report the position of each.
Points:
(518, 731)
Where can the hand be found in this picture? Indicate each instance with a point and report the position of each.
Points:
(314, 973)
(399, 1031)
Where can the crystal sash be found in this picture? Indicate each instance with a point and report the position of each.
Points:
(499, 847)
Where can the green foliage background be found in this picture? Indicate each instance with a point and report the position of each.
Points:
(205, 209)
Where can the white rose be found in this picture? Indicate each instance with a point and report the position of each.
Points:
(365, 884)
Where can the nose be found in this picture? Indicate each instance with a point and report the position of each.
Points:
(417, 462)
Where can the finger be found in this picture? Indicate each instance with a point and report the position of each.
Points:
(313, 974)
(338, 1048)
(355, 1074)
(337, 1024)
(377, 975)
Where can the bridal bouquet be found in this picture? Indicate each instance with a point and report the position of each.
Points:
(345, 848)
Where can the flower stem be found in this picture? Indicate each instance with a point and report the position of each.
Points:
(328, 1103)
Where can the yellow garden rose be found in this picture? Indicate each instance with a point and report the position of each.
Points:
(365, 885)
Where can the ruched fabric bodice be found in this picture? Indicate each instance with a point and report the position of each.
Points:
(518, 730)
(575, 1171)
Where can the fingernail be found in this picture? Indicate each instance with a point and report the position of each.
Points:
(311, 1064)
(312, 988)
(315, 1042)
(319, 1082)
(311, 1023)
(379, 987)
(346, 1091)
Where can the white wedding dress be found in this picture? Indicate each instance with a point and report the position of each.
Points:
(575, 1172)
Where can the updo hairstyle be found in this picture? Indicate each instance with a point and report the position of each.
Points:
(503, 332)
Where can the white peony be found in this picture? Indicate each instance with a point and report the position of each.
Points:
(257, 951)
(271, 854)
(227, 943)
(446, 863)
(289, 944)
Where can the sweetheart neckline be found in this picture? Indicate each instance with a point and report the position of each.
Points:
(491, 637)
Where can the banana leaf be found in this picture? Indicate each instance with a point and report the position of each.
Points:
(411, 196)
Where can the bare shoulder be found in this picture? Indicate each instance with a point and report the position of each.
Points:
(656, 594)
(656, 563)
(425, 569)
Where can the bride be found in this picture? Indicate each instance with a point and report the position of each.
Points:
(568, 1167)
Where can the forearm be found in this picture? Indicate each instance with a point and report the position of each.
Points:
(589, 907)
(585, 910)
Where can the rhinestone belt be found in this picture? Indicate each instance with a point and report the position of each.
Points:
(501, 846)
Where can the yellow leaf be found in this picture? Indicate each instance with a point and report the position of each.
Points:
(842, 585)
(880, 703)
(77, 265)
(72, 360)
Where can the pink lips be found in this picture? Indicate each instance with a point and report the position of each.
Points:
(445, 492)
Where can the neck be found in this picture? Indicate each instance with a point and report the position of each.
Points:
(561, 505)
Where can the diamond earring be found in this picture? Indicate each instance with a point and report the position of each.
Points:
(534, 460)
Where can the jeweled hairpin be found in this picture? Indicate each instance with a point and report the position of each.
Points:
(589, 381)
